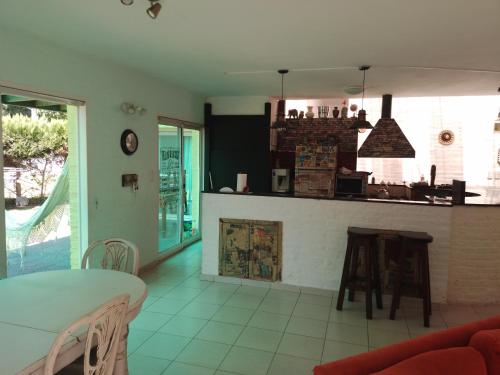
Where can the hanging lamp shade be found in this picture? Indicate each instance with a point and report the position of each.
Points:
(386, 140)
(361, 122)
(280, 123)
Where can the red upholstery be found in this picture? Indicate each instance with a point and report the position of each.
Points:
(454, 361)
(488, 344)
(383, 358)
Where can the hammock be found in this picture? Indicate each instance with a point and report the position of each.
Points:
(44, 221)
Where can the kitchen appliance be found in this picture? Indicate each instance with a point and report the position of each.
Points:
(281, 180)
(351, 184)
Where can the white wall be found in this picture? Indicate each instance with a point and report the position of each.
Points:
(314, 233)
(475, 256)
(302, 104)
(114, 211)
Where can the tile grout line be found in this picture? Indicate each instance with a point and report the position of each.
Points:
(326, 331)
(231, 346)
(283, 334)
(174, 315)
(192, 338)
(245, 326)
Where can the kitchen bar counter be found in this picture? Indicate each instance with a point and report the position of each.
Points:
(464, 257)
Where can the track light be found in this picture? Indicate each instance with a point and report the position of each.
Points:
(154, 9)
(132, 109)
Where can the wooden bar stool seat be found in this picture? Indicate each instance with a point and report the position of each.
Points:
(361, 241)
(412, 243)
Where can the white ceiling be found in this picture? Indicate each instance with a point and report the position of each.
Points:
(193, 42)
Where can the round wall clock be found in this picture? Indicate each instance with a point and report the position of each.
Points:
(129, 142)
(446, 137)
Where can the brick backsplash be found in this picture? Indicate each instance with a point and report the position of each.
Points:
(318, 131)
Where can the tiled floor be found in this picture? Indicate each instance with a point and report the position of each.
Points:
(189, 326)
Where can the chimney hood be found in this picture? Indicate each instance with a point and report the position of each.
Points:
(386, 140)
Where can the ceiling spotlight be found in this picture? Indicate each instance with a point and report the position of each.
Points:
(127, 2)
(154, 9)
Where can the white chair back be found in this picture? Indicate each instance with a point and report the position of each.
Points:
(103, 336)
(114, 253)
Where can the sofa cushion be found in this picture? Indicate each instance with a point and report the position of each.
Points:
(488, 344)
(452, 361)
(379, 359)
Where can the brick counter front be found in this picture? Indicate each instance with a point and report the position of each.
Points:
(464, 257)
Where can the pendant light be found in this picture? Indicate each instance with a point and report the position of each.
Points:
(360, 122)
(280, 123)
(386, 140)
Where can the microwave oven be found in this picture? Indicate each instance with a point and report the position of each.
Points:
(351, 184)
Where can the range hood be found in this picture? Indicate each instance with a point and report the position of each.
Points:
(386, 140)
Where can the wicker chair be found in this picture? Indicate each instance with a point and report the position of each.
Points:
(114, 253)
(104, 326)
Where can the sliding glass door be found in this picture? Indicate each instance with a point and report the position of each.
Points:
(179, 153)
(41, 180)
(192, 173)
(170, 186)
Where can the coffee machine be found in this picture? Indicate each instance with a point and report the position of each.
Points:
(281, 180)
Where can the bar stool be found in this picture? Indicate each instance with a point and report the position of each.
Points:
(366, 239)
(414, 243)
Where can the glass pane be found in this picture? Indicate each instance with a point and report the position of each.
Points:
(169, 153)
(38, 186)
(192, 167)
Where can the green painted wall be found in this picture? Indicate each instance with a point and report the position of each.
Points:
(29, 63)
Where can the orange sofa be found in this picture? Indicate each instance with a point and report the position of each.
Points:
(471, 349)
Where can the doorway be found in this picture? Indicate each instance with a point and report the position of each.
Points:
(179, 161)
(41, 178)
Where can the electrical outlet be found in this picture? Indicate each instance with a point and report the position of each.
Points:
(130, 180)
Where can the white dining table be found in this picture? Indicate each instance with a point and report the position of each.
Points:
(34, 308)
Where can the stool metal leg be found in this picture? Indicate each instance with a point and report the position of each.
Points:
(345, 274)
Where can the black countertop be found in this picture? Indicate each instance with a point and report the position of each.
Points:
(349, 199)
(362, 199)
